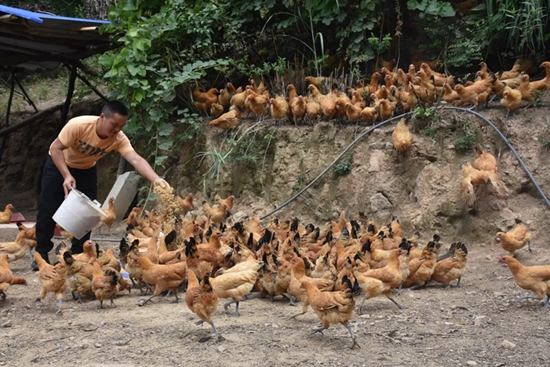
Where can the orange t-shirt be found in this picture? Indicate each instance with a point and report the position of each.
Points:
(84, 147)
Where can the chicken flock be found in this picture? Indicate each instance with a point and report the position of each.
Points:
(388, 93)
(209, 256)
(205, 253)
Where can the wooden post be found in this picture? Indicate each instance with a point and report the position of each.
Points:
(70, 91)
(10, 99)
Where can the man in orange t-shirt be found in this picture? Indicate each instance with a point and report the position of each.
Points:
(72, 164)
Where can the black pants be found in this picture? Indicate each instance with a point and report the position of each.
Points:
(51, 197)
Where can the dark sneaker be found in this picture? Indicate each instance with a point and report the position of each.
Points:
(34, 266)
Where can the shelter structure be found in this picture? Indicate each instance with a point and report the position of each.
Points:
(31, 40)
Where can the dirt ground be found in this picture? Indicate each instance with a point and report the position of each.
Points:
(437, 327)
(480, 323)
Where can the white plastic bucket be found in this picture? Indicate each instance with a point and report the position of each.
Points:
(78, 214)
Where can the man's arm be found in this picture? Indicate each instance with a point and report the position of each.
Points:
(144, 168)
(58, 159)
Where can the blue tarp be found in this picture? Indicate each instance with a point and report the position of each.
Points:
(38, 17)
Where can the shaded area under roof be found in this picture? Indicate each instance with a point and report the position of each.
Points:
(30, 40)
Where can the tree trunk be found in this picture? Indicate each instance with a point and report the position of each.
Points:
(97, 9)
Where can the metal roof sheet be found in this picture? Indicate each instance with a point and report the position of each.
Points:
(28, 37)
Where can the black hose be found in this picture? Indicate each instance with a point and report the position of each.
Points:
(334, 162)
(399, 117)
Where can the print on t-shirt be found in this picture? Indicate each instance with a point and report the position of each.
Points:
(88, 149)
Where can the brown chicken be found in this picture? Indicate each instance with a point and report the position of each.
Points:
(532, 278)
(485, 161)
(390, 276)
(475, 93)
(450, 266)
(216, 215)
(511, 99)
(472, 176)
(228, 201)
(223, 100)
(280, 108)
(204, 100)
(235, 285)
(53, 279)
(353, 112)
(332, 307)
(216, 110)
(6, 277)
(315, 94)
(528, 89)
(421, 269)
(29, 234)
(258, 104)
(5, 216)
(298, 107)
(228, 120)
(313, 109)
(104, 285)
(111, 216)
(416, 61)
(512, 73)
(369, 114)
(201, 300)
(184, 205)
(515, 239)
(298, 275)
(162, 276)
(238, 100)
(16, 249)
(402, 137)
(451, 96)
(317, 81)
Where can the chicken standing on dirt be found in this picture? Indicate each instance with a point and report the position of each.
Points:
(228, 120)
(235, 285)
(53, 279)
(402, 137)
(5, 216)
(104, 285)
(451, 265)
(16, 249)
(163, 277)
(29, 233)
(6, 277)
(515, 239)
(531, 278)
(201, 300)
(332, 307)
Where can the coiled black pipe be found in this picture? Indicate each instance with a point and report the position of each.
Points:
(399, 117)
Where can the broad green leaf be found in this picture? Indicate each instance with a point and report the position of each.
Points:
(165, 143)
(160, 160)
(132, 69)
(165, 129)
(155, 113)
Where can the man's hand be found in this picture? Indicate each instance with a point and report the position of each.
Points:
(161, 182)
(68, 184)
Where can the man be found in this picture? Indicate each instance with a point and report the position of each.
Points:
(72, 164)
